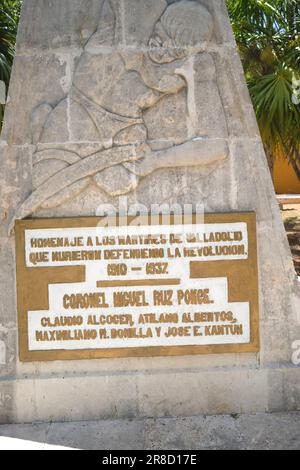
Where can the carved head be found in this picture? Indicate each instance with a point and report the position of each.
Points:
(184, 29)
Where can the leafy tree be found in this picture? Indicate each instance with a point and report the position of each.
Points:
(9, 18)
(268, 37)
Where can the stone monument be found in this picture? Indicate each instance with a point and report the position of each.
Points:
(140, 102)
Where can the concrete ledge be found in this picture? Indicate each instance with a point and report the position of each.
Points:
(218, 391)
(136, 395)
(258, 431)
(288, 198)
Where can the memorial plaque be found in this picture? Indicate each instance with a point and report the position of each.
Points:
(92, 291)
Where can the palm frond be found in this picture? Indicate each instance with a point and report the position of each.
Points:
(268, 38)
(9, 18)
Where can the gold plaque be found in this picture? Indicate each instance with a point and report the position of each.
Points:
(88, 291)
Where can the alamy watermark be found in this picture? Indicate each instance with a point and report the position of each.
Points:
(296, 92)
(296, 353)
(127, 214)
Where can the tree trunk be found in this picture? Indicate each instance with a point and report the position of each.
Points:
(296, 166)
(294, 159)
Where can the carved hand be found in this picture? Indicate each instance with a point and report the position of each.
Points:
(198, 152)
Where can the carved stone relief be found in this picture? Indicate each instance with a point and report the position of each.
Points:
(131, 111)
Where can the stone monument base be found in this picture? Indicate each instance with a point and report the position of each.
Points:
(148, 388)
(144, 99)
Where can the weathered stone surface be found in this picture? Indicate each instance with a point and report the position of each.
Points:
(116, 181)
(278, 431)
(139, 394)
(58, 24)
(223, 32)
(36, 79)
(165, 122)
(7, 410)
(136, 32)
(109, 101)
(16, 185)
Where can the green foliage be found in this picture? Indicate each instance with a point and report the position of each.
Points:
(9, 18)
(268, 37)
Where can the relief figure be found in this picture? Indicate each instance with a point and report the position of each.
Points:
(117, 124)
